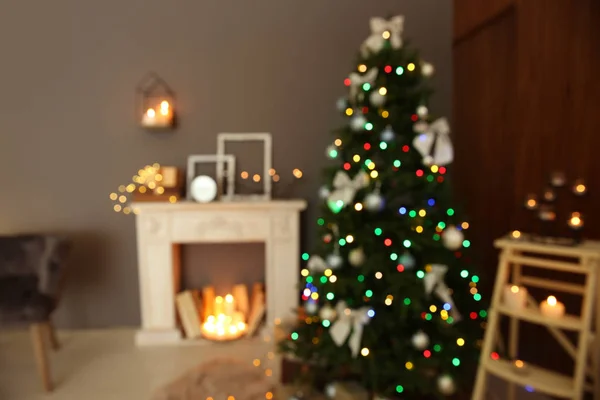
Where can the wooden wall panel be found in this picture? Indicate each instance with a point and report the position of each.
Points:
(484, 115)
(470, 15)
(526, 102)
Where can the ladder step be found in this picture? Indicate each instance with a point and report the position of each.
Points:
(569, 322)
(534, 378)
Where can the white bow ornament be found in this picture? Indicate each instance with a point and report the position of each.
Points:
(357, 81)
(349, 323)
(379, 27)
(434, 282)
(438, 132)
(346, 188)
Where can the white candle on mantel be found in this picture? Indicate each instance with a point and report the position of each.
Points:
(552, 308)
(149, 118)
(515, 297)
(229, 306)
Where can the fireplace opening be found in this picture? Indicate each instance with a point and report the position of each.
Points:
(220, 290)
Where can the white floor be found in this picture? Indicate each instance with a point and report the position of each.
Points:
(105, 365)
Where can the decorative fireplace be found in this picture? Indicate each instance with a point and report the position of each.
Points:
(163, 227)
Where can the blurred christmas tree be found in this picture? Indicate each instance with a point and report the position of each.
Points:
(389, 298)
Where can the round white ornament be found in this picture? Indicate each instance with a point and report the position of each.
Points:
(335, 261)
(428, 161)
(324, 192)
(203, 189)
(357, 122)
(446, 385)
(427, 69)
(422, 111)
(377, 99)
(420, 340)
(387, 135)
(331, 151)
(356, 257)
(327, 312)
(311, 307)
(452, 238)
(330, 390)
(374, 202)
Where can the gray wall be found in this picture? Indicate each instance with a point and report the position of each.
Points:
(68, 133)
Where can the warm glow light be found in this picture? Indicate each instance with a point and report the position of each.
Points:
(362, 68)
(580, 189)
(358, 206)
(172, 199)
(460, 342)
(244, 174)
(551, 301)
(229, 298)
(386, 34)
(364, 352)
(276, 178)
(464, 225)
(337, 142)
(385, 114)
(150, 113)
(349, 238)
(297, 173)
(378, 275)
(519, 364)
(410, 67)
(356, 158)
(382, 91)
(114, 196)
(272, 172)
(256, 178)
(514, 289)
(516, 234)
(374, 174)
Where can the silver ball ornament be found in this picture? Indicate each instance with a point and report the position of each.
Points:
(420, 340)
(427, 69)
(374, 202)
(327, 312)
(311, 307)
(446, 385)
(407, 260)
(376, 99)
(387, 135)
(357, 122)
(335, 261)
(452, 238)
(356, 257)
(422, 111)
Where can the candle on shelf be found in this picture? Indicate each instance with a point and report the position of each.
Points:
(515, 297)
(575, 222)
(579, 188)
(552, 308)
(229, 305)
(223, 327)
(515, 234)
(149, 118)
(520, 366)
(219, 307)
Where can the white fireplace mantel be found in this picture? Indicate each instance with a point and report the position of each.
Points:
(162, 227)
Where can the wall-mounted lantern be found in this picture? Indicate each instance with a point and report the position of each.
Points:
(157, 103)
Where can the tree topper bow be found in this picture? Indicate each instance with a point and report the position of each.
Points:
(379, 27)
(437, 132)
(357, 81)
(346, 188)
(349, 323)
(434, 282)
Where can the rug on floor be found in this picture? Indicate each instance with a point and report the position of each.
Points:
(219, 379)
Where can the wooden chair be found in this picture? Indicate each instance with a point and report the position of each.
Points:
(31, 277)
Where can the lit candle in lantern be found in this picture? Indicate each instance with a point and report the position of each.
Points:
(531, 202)
(229, 306)
(552, 308)
(515, 297)
(149, 118)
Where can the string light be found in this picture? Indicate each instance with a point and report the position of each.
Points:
(410, 67)
(362, 68)
(337, 142)
(364, 352)
(358, 206)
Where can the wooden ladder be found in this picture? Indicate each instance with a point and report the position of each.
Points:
(515, 254)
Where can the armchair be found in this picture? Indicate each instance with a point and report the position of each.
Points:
(31, 276)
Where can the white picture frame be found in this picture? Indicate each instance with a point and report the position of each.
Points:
(266, 138)
(225, 193)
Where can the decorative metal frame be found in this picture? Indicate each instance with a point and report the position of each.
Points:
(148, 88)
(225, 193)
(267, 139)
